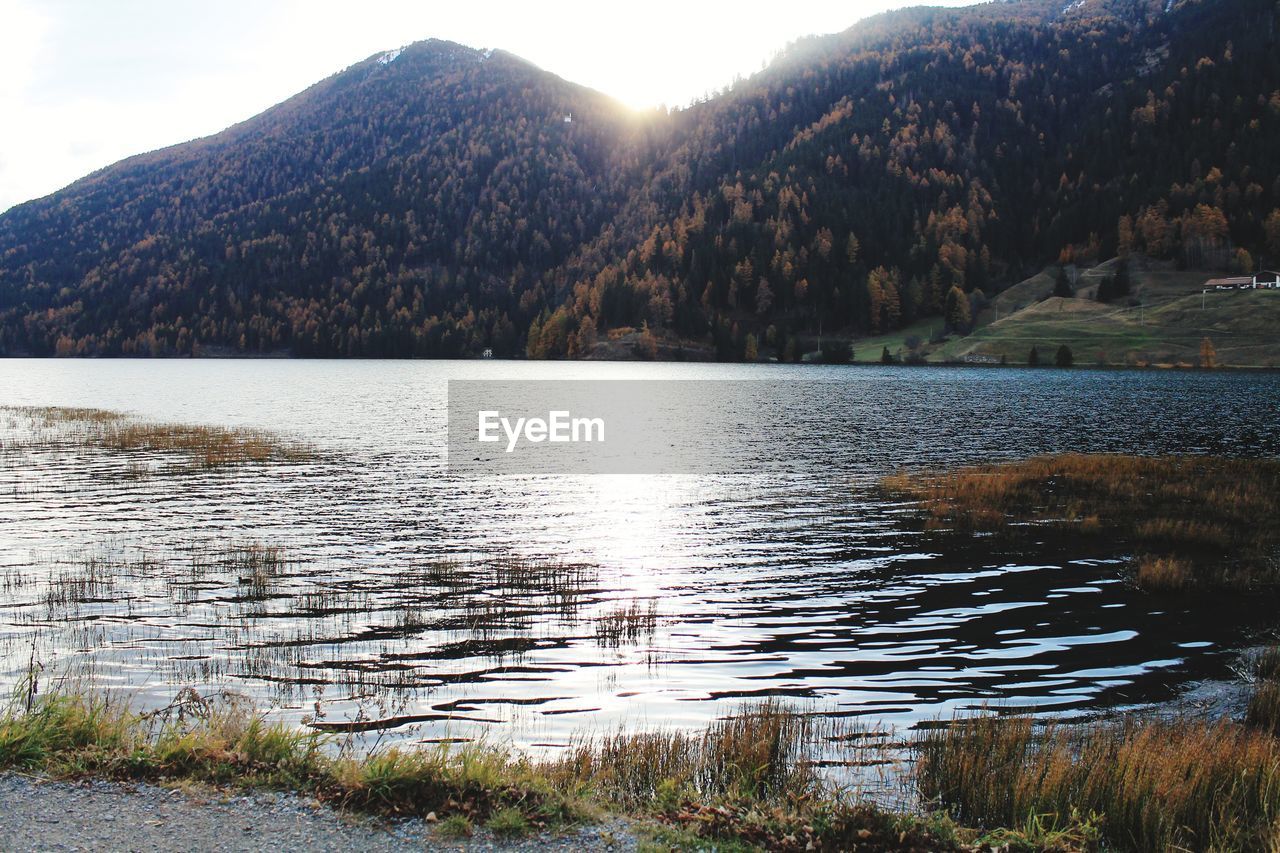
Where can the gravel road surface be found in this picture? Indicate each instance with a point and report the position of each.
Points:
(36, 814)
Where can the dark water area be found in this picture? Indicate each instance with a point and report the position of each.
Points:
(534, 607)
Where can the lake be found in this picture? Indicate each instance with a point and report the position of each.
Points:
(430, 606)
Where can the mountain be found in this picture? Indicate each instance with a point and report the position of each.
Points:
(373, 213)
(441, 200)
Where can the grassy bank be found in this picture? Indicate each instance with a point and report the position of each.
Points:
(749, 781)
(1146, 784)
(746, 782)
(1190, 522)
(1141, 782)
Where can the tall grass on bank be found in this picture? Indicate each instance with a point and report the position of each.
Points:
(763, 752)
(743, 783)
(748, 780)
(1158, 784)
(1191, 521)
(201, 446)
(1264, 704)
(221, 740)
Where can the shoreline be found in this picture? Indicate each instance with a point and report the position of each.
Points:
(1078, 368)
(215, 768)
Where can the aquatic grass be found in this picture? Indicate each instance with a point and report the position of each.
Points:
(206, 446)
(1163, 574)
(764, 751)
(759, 752)
(509, 576)
(630, 623)
(89, 580)
(498, 593)
(113, 577)
(52, 416)
(1189, 521)
(280, 617)
(197, 445)
(257, 567)
(1159, 784)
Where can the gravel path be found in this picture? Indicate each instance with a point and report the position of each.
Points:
(42, 815)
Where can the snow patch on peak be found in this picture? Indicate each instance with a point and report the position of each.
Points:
(486, 54)
(390, 56)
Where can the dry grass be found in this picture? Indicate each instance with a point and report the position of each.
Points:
(746, 782)
(1163, 574)
(1264, 708)
(1266, 664)
(201, 446)
(1192, 521)
(207, 446)
(1159, 785)
(50, 416)
(1264, 705)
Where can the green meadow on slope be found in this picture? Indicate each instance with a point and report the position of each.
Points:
(1164, 323)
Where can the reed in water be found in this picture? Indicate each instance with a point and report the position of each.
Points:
(1190, 522)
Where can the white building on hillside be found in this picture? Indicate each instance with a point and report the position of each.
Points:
(1264, 279)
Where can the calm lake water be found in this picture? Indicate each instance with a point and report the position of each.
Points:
(799, 581)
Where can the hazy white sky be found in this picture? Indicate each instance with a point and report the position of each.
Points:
(84, 83)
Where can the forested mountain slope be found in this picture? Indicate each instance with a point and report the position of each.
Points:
(438, 203)
(400, 207)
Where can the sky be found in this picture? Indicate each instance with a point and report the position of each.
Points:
(84, 83)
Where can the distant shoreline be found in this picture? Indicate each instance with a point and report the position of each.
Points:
(1080, 368)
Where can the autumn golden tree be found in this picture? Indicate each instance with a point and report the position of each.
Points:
(1208, 355)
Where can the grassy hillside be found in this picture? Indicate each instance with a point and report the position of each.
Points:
(1165, 327)
(871, 349)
